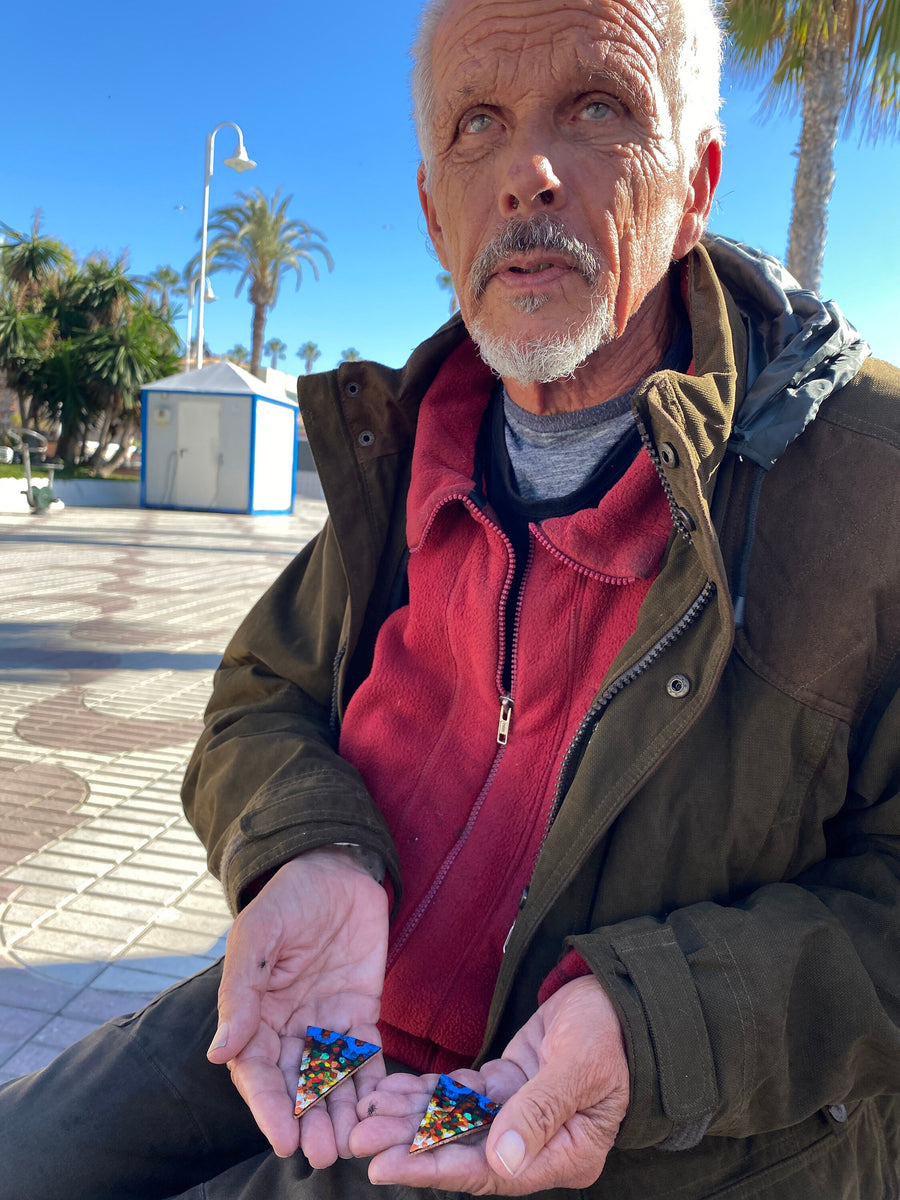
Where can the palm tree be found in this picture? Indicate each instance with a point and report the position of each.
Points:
(840, 60)
(78, 344)
(163, 280)
(351, 354)
(445, 281)
(238, 354)
(61, 387)
(137, 349)
(277, 349)
(259, 239)
(103, 290)
(30, 261)
(110, 342)
(309, 352)
(25, 338)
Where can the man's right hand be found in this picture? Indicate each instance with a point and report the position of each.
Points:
(310, 949)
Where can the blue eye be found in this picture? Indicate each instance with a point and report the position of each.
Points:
(597, 110)
(477, 124)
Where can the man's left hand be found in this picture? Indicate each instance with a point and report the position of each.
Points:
(563, 1081)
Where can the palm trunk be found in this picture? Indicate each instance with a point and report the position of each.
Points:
(126, 437)
(65, 447)
(103, 441)
(823, 93)
(258, 334)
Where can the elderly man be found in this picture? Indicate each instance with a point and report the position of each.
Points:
(588, 683)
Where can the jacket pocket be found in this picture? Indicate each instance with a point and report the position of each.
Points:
(849, 1161)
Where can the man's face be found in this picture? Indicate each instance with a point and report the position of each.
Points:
(552, 114)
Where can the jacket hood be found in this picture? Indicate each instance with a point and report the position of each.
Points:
(800, 349)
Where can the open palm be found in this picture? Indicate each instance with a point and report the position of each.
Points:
(309, 950)
(564, 1086)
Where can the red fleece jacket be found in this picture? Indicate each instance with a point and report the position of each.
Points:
(468, 814)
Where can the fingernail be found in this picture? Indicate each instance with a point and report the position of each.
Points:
(220, 1037)
(510, 1149)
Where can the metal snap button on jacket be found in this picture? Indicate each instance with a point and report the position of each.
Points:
(678, 686)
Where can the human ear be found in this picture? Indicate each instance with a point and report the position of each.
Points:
(435, 232)
(698, 200)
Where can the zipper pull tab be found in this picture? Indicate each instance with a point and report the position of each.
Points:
(506, 707)
(522, 900)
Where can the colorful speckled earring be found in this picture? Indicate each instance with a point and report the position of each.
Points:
(328, 1059)
(453, 1111)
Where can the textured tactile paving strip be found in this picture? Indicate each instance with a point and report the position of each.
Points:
(111, 624)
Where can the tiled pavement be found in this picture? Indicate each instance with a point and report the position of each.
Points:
(111, 623)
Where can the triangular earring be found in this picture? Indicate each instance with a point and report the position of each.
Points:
(454, 1110)
(328, 1059)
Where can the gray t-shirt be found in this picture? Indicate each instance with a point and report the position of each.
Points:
(553, 455)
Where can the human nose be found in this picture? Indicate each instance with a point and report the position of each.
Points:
(529, 182)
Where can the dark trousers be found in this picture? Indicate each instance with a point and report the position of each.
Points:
(135, 1111)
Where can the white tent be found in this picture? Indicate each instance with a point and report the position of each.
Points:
(218, 439)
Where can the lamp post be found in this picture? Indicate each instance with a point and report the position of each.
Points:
(210, 297)
(239, 161)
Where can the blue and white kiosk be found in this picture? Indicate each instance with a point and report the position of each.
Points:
(220, 440)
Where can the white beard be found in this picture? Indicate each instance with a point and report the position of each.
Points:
(550, 357)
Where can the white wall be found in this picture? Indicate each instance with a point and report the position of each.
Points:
(192, 471)
(273, 459)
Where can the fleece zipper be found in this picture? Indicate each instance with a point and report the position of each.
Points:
(505, 682)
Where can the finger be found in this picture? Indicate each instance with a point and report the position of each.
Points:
(317, 1140)
(341, 1103)
(388, 1118)
(245, 976)
(393, 1102)
(458, 1167)
(544, 1115)
(261, 1084)
(289, 1058)
(500, 1079)
(526, 1123)
(402, 1082)
(568, 1161)
(370, 1074)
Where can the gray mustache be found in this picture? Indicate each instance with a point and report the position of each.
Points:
(540, 232)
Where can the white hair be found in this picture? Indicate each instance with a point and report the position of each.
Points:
(690, 70)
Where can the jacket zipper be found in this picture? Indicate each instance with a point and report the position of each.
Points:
(335, 674)
(678, 518)
(595, 712)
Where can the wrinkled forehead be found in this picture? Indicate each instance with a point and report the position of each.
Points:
(498, 43)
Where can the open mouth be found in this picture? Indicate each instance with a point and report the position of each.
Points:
(532, 270)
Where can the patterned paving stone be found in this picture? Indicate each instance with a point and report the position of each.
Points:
(113, 623)
(18, 1024)
(25, 990)
(66, 720)
(60, 1032)
(31, 1057)
(97, 1005)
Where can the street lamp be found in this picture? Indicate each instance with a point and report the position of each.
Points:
(239, 161)
(210, 297)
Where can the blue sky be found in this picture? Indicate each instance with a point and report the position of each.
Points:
(109, 105)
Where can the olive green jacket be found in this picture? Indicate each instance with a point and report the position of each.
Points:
(726, 847)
